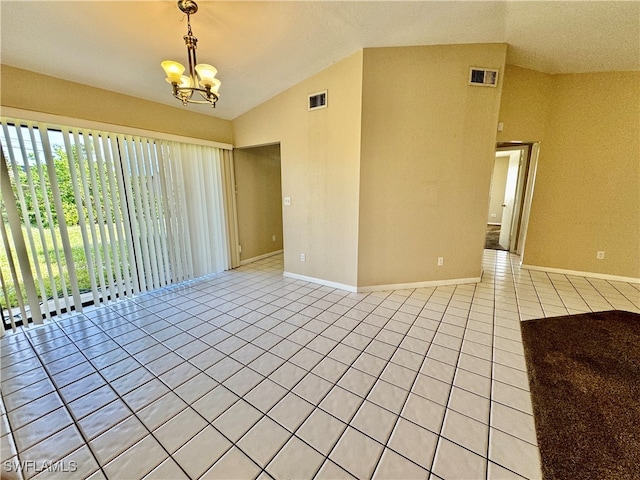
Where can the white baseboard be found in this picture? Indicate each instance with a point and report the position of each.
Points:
(379, 288)
(601, 276)
(430, 283)
(327, 283)
(260, 257)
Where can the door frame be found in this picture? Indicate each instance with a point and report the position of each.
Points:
(524, 192)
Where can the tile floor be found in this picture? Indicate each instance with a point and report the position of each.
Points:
(248, 374)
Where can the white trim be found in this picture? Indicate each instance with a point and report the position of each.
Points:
(341, 286)
(260, 257)
(61, 121)
(601, 276)
(379, 288)
(430, 283)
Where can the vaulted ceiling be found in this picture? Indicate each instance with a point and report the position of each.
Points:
(262, 48)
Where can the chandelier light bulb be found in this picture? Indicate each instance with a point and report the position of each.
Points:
(206, 74)
(174, 70)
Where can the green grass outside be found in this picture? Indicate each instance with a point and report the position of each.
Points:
(79, 260)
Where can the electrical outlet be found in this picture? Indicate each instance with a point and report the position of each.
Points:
(273, 237)
(287, 200)
(303, 257)
(440, 261)
(600, 255)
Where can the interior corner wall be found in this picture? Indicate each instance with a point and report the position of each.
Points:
(428, 149)
(41, 93)
(587, 191)
(258, 200)
(320, 161)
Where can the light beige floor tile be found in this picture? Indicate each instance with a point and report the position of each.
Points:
(321, 431)
(466, 431)
(177, 431)
(117, 439)
(478, 384)
(79, 464)
(396, 467)
(161, 410)
(233, 465)
(413, 442)
(432, 389)
(53, 448)
(457, 463)
(138, 460)
(106, 417)
(341, 403)
(264, 440)
(295, 460)
(237, 420)
(514, 422)
(388, 396)
(214, 403)
(469, 404)
(424, 412)
(265, 395)
(291, 411)
(512, 397)
(356, 453)
(496, 472)
(514, 454)
(168, 469)
(38, 430)
(375, 421)
(331, 471)
(202, 451)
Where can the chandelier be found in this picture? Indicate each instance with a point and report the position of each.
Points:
(201, 84)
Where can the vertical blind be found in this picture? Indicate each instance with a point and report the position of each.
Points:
(91, 216)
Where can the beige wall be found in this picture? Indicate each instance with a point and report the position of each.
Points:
(320, 155)
(40, 93)
(428, 148)
(524, 106)
(587, 193)
(258, 199)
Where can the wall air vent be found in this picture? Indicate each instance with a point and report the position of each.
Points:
(318, 100)
(484, 77)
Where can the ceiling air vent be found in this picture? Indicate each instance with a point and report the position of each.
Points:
(318, 100)
(484, 77)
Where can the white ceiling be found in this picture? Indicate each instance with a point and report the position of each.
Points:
(262, 48)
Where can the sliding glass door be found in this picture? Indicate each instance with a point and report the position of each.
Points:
(92, 216)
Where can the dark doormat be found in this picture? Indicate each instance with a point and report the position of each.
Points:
(584, 375)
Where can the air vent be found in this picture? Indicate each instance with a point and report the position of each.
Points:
(318, 100)
(483, 77)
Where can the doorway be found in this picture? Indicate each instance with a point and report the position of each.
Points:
(510, 196)
(258, 197)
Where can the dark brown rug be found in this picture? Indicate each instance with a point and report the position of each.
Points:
(584, 374)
